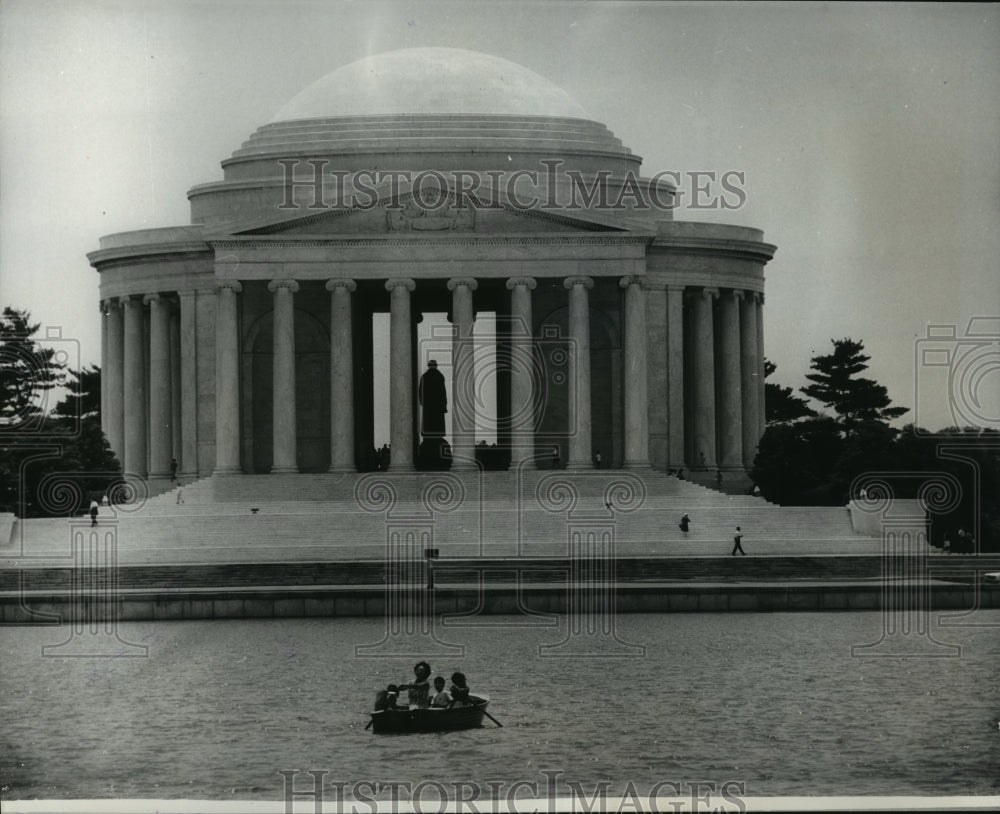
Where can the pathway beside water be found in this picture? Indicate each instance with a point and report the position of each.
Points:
(774, 702)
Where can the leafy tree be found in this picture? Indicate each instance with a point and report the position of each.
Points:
(27, 370)
(780, 406)
(836, 384)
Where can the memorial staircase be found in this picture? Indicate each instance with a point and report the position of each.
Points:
(481, 516)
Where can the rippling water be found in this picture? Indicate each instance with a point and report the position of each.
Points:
(770, 700)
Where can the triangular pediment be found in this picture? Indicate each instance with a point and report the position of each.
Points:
(406, 215)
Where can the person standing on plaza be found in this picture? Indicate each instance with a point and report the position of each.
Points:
(93, 512)
(685, 523)
(737, 545)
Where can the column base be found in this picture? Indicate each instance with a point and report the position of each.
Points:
(227, 470)
(284, 470)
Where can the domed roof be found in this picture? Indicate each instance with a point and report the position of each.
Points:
(435, 81)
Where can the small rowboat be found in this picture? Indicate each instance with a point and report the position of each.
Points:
(440, 719)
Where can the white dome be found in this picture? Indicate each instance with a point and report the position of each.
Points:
(431, 81)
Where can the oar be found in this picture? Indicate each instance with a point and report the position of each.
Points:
(369, 724)
(492, 719)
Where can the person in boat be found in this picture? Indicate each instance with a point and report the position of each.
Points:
(386, 699)
(419, 690)
(459, 690)
(441, 696)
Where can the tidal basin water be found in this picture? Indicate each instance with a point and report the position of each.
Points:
(773, 701)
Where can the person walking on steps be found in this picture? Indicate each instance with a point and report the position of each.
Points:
(685, 523)
(736, 542)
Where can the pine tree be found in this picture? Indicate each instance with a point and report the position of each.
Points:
(27, 371)
(838, 385)
(780, 406)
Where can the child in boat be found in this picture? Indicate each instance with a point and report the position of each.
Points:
(441, 695)
(419, 690)
(459, 690)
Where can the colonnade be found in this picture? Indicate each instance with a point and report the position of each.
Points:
(709, 373)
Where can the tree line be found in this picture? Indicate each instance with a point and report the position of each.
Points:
(821, 457)
(54, 461)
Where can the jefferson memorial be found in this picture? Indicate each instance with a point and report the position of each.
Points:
(433, 181)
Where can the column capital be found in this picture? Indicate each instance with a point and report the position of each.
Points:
(528, 282)
(291, 285)
(229, 285)
(340, 282)
(633, 279)
(587, 282)
(707, 292)
(400, 282)
(470, 282)
(187, 294)
(154, 297)
(676, 287)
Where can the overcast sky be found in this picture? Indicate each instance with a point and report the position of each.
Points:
(869, 136)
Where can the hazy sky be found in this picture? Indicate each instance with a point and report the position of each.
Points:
(869, 135)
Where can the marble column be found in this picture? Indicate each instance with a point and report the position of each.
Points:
(114, 373)
(656, 367)
(749, 375)
(104, 368)
(636, 386)
(283, 391)
(761, 406)
(227, 379)
(189, 386)
(676, 458)
(401, 375)
(175, 383)
(522, 373)
(134, 386)
(341, 376)
(579, 373)
(728, 383)
(703, 360)
(463, 381)
(160, 407)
